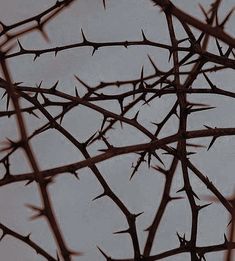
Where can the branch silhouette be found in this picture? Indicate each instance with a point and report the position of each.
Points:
(189, 58)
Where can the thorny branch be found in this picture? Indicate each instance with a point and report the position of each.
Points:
(190, 52)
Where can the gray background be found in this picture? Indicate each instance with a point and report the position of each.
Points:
(86, 224)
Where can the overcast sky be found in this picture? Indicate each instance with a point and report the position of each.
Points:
(86, 223)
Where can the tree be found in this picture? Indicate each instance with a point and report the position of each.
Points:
(116, 120)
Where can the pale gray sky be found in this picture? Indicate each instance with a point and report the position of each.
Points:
(86, 224)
